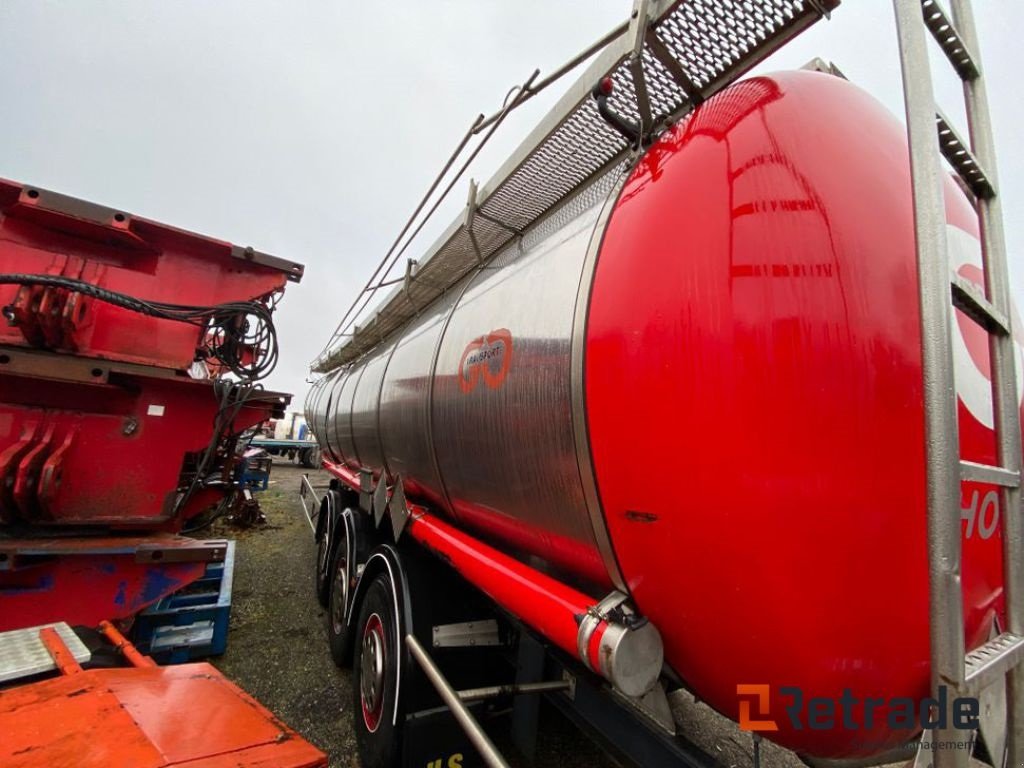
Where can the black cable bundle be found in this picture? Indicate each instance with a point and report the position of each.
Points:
(231, 398)
(234, 329)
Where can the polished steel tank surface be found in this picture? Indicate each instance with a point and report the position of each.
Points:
(701, 381)
(485, 372)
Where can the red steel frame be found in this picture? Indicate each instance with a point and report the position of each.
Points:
(83, 580)
(103, 411)
(44, 232)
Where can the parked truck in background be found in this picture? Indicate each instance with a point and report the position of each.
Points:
(289, 437)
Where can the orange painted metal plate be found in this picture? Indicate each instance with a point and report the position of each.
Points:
(157, 717)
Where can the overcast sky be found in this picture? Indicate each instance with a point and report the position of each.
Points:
(310, 129)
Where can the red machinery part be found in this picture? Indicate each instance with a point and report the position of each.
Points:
(115, 416)
(62, 657)
(123, 646)
(549, 606)
(104, 410)
(764, 491)
(108, 451)
(43, 232)
(84, 580)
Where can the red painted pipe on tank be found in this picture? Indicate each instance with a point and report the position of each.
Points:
(545, 604)
(570, 619)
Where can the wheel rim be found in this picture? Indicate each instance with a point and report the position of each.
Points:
(339, 595)
(371, 672)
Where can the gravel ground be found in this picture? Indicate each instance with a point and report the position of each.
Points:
(277, 651)
(277, 647)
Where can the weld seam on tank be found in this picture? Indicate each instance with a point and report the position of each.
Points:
(342, 383)
(385, 470)
(352, 415)
(443, 486)
(331, 419)
(578, 389)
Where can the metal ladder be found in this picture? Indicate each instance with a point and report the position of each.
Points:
(929, 135)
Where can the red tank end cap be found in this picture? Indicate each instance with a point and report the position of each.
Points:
(753, 386)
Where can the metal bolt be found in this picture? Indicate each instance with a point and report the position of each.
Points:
(130, 426)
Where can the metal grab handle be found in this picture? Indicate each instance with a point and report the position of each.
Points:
(481, 741)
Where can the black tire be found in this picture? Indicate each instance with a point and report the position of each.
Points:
(308, 457)
(339, 633)
(377, 738)
(322, 582)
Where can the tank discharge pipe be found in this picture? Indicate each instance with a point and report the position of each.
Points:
(609, 637)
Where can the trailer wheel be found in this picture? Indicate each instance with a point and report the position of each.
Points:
(308, 457)
(376, 660)
(339, 633)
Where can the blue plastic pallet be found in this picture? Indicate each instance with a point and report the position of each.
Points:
(191, 624)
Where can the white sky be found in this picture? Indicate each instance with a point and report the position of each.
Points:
(309, 129)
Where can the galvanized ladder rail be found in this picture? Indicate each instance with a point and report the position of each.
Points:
(931, 134)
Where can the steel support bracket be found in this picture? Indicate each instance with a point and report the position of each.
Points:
(470, 218)
(410, 274)
(667, 60)
(380, 501)
(653, 706)
(467, 634)
(366, 490)
(399, 508)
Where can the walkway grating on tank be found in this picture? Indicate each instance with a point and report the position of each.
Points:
(689, 51)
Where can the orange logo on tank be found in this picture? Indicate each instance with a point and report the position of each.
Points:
(487, 357)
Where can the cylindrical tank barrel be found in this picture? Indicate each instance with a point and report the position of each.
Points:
(699, 382)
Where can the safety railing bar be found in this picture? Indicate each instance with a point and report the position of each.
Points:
(488, 752)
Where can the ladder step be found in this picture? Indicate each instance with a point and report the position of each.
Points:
(956, 151)
(968, 298)
(984, 473)
(949, 40)
(992, 661)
